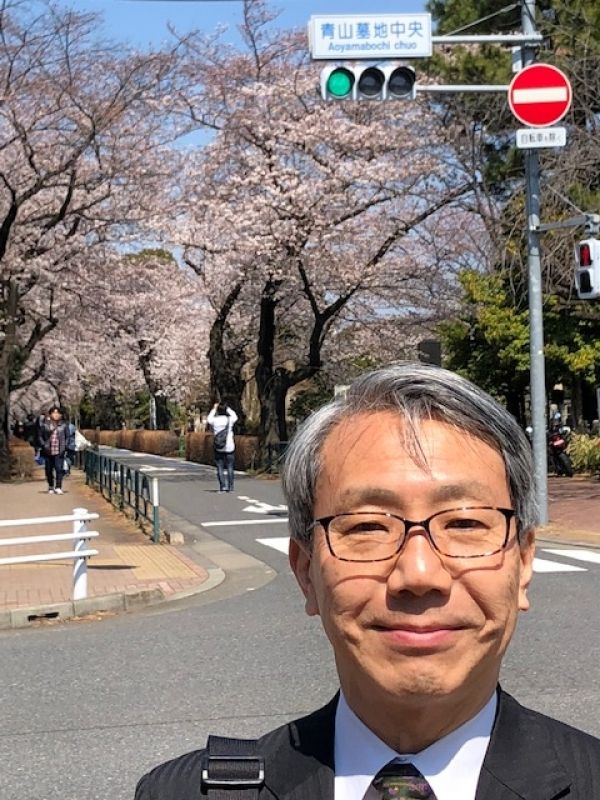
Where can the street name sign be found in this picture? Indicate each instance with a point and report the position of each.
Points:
(373, 36)
(530, 138)
(539, 95)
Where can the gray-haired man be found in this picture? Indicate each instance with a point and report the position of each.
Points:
(412, 515)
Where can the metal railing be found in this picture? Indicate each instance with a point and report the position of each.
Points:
(123, 486)
(79, 535)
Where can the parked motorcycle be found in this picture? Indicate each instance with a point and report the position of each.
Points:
(558, 441)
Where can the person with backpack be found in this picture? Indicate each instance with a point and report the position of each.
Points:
(221, 419)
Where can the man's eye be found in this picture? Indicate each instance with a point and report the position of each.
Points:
(358, 526)
(464, 524)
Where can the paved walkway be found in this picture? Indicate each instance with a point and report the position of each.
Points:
(574, 505)
(128, 569)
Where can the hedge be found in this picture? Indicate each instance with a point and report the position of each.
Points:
(159, 443)
(198, 446)
(22, 461)
(585, 452)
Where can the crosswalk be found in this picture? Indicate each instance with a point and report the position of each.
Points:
(541, 564)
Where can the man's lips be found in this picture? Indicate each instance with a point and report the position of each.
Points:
(433, 636)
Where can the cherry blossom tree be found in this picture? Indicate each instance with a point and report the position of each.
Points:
(139, 326)
(156, 324)
(83, 145)
(304, 219)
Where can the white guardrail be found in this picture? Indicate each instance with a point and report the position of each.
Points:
(79, 535)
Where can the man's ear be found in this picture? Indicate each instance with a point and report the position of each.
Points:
(527, 552)
(300, 562)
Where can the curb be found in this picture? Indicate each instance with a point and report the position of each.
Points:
(218, 558)
(555, 533)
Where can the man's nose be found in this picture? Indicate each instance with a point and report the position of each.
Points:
(419, 568)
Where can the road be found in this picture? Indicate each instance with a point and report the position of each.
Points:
(88, 706)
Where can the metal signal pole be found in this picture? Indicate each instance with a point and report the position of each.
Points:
(536, 319)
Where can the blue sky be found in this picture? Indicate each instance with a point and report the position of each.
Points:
(143, 22)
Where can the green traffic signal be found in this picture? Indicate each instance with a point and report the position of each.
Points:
(340, 82)
(380, 81)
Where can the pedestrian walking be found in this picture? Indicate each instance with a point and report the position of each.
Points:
(221, 419)
(55, 441)
(412, 514)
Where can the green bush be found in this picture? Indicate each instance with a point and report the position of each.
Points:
(585, 452)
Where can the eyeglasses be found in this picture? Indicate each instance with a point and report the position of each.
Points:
(472, 532)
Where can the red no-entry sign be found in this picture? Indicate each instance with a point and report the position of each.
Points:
(539, 95)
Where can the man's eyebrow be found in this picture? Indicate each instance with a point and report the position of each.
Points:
(476, 490)
(368, 494)
(461, 490)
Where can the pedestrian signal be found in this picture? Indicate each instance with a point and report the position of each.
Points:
(587, 269)
(390, 81)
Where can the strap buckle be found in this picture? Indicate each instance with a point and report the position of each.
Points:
(242, 781)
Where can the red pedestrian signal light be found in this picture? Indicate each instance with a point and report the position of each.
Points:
(585, 254)
(587, 269)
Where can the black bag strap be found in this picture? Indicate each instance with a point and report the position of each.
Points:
(232, 769)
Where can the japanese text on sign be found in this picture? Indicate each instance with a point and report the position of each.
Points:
(530, 138)
(381, 36)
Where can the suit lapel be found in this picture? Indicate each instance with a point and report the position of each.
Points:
(521, 760)
(302, 758)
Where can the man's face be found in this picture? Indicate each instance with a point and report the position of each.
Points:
(55, 415)
(420, 625)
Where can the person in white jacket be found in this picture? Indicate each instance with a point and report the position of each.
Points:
(221, 419)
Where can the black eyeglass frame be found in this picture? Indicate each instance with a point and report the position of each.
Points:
(508, 513)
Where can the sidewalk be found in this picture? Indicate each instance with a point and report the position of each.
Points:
(128, 572)
(574, 505)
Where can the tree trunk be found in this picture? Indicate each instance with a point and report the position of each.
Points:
(7, 353)
(152, 413)
(577, 402)
(226, 380)
(162, 414)
(515, 404)
(4, 430)
(271, 385)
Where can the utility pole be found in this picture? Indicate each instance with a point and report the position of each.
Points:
(536, 319)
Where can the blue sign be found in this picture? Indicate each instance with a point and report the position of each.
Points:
(370, 36)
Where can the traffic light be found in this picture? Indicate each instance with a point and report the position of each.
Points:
(389, 81)
(587, 271)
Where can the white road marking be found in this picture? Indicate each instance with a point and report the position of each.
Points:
(542, 565)
(260, 507)
(150, 468)
(234, 522)
(590, 556)
(280, 543)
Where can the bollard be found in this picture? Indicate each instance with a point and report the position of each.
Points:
(155, 520)
(136, 486)
(121, 486)
(80, 564)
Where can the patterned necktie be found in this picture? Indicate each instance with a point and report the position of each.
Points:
(402, 782)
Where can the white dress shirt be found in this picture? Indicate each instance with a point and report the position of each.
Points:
(450, 765)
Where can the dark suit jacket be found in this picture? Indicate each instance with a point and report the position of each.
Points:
(530, 757)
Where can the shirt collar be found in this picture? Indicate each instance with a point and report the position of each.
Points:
(451, 765)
